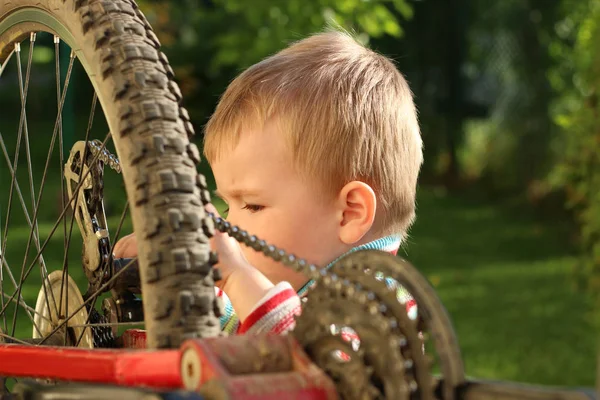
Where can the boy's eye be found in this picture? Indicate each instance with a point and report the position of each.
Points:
(252, 207)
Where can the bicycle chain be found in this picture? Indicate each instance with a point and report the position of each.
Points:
(103, 336)
(388, 365)
(373, 371)
(101, 153)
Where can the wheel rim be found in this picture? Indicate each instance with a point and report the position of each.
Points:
(40, 19)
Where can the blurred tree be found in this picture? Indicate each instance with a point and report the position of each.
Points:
(507, 65)
(253, 30)
(434, 59)
(576, 76)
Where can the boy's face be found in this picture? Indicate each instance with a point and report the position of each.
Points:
(268, 198)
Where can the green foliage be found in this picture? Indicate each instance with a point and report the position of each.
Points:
(577, 77)
(256, 29)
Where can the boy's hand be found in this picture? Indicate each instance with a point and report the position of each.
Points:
(232, 261)
(244, 285)
(126, 247)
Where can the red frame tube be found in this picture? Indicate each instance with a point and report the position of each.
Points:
(224, 365)
(156, 369)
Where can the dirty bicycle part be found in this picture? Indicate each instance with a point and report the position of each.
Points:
(151, 132)
(85, 168)
(83, 172)
(351, 285)
(370, 270)
(356, 346)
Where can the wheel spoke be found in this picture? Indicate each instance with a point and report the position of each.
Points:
(68, 239)
(12, 338)
(2, 272)
(63, 212)
(62, 187)
(43, 269)
(66, 85)
(17, 52)
(118, 233)
(21, 299)
(27, 217)
(26, 131)
(35, 227)
(86, 325)
(30, 310)
(93, 296)
(60, 134)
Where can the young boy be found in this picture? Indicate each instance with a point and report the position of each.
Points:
(317, 151)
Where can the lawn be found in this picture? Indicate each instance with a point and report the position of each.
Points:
(506, 280)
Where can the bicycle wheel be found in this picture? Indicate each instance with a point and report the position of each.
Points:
(113, 45)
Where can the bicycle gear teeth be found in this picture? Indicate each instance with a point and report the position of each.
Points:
(103, 335)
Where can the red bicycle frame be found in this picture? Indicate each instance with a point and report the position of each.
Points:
(240, 367)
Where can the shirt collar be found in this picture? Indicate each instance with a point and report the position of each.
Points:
(388, 243)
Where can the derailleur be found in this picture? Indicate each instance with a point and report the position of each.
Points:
(84, 174)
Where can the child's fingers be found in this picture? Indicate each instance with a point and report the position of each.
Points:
(118, 248)
(126, 247)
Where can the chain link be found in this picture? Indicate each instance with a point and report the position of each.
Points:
(279, 255)
(99, 150)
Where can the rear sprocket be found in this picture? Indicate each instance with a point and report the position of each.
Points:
(381, 274)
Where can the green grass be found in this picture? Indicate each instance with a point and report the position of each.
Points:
(506, 281)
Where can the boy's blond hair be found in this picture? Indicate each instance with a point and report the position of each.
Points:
(347, 112)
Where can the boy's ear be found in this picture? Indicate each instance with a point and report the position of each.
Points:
(357, 203)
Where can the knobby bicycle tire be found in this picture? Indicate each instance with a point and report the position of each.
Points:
(151, 131)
